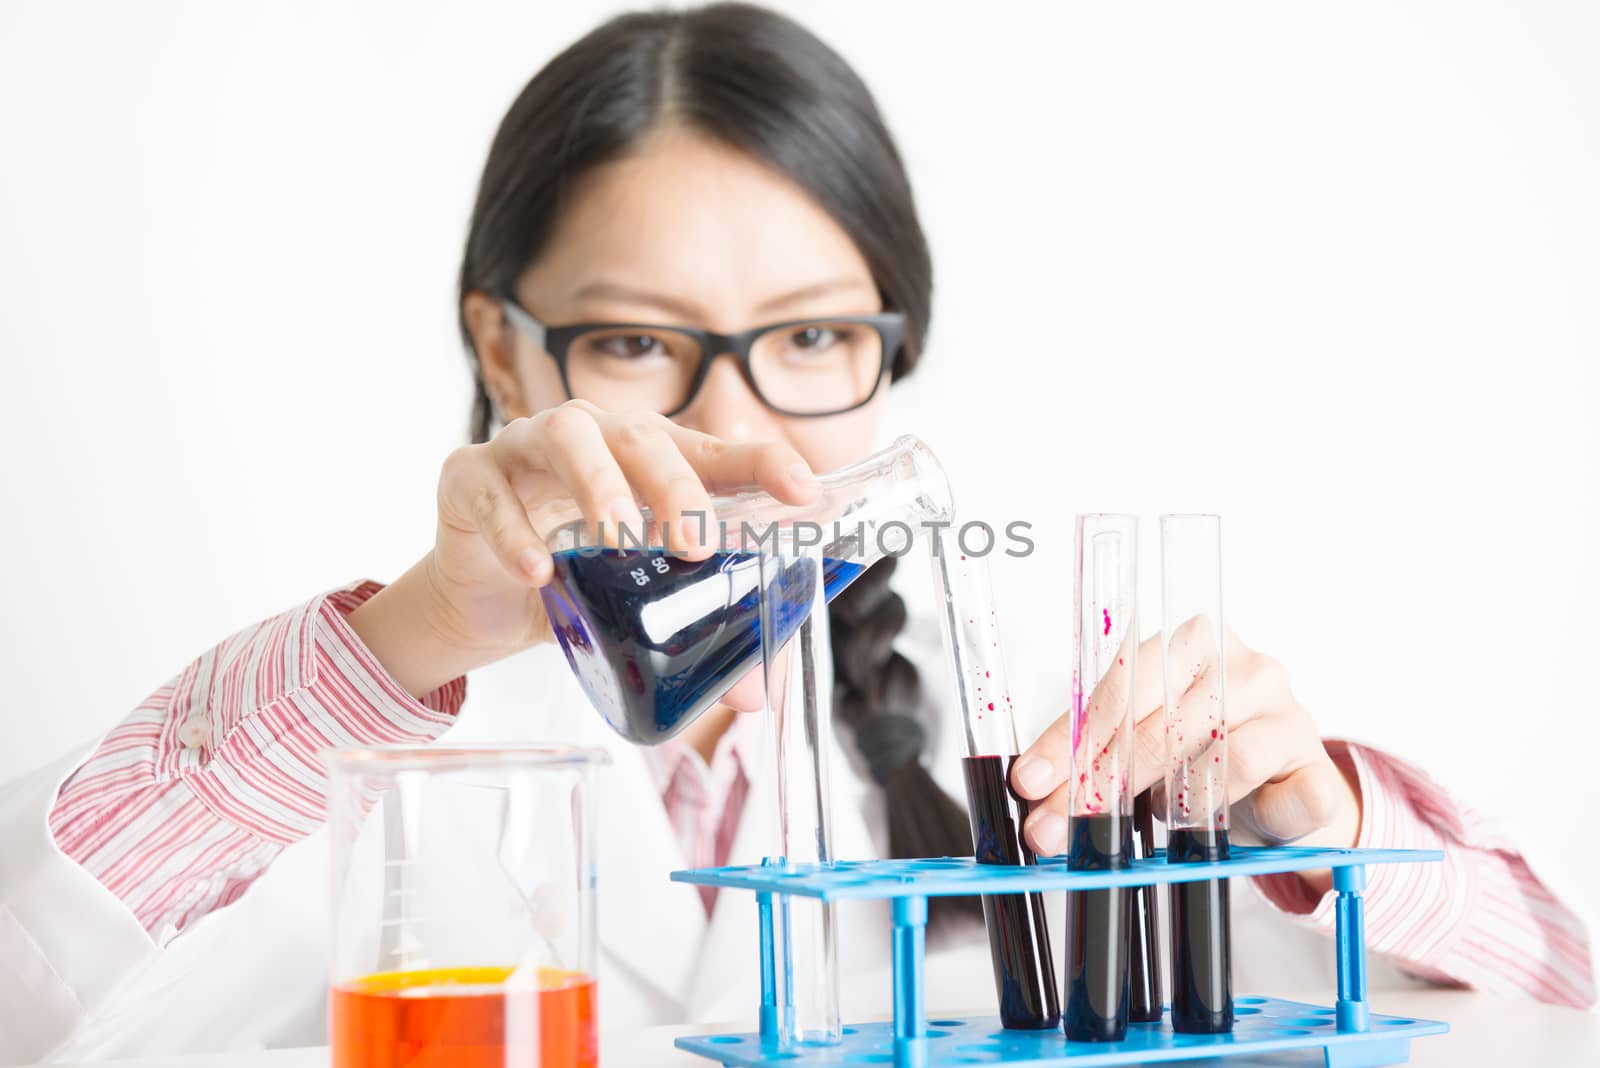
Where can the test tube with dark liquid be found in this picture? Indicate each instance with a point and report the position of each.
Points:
(1192, 653)
(1106, 630)
(1144, 946)
(1019, 940)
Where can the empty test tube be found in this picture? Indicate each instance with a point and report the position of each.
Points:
(799, 705)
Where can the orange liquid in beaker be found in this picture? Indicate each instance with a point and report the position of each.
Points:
(463, 1018)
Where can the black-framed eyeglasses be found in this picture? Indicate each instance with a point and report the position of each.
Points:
(801, 367)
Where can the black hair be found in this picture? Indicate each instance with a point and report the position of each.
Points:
(747, 76)
(761, 83)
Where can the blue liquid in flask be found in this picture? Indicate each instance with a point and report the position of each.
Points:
(655, 640)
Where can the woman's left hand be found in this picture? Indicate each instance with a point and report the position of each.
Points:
(1276, 759)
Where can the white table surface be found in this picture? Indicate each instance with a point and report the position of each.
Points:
(1484, 1031)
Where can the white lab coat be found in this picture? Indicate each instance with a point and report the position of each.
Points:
(80, 979)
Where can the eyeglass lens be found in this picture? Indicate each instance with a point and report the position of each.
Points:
(806, 368)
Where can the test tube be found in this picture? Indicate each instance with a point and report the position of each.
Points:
(799, 692)
(1019, 939)
(1144, 946)
(1193, 655)
(1106, 630)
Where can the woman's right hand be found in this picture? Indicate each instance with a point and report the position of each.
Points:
(474, 598)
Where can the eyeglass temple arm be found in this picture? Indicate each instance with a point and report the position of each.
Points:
(524, 322)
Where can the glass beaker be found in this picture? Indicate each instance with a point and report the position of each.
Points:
(656, 639)
(463, 919)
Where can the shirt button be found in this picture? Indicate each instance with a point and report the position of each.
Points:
(194, 731)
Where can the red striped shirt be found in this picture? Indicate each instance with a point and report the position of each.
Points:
(1480, 919)
(176, 832)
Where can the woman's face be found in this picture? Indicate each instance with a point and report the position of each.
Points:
(688, 232)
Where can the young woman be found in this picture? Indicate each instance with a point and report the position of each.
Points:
(717, 170)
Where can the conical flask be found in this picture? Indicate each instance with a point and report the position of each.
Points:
(655, 639)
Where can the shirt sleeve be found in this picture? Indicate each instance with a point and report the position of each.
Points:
(185, 803)
(1480, 918)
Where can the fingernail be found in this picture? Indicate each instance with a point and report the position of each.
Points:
(530, 560)
(695, 530)
(1048, 833)
(625, 514)
(1032, 775)
(801, 474)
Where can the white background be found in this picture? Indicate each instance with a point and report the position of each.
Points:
(1330, 270)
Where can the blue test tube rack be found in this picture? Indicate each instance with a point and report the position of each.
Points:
(1348, 1033)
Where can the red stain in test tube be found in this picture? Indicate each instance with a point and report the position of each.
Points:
(1077, 710)
(1107, 613)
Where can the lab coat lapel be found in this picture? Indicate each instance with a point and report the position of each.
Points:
(726, 982)
(649, 924)
(729, 957)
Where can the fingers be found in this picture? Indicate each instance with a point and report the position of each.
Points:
(1045, 770)
(1275, 757)
(1195, 731)
(1043, 765)
(568, 443)
(1136, 675)
(608, 461)
(1278, 762)
(1046, 764)
(680, 506)
(476, 498)
(1294, 788)
(1304, 802)
(1191, 670)
(1040, 775)
(726, 466)
(1193, 661)
(1096, 776)
(1048, 769)
(1045, 830)
(1160, 741)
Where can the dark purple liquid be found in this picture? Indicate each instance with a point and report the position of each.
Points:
(1019, 940)
(1202, 938)
(655, 640)
(1144, 949)
(1098, 923)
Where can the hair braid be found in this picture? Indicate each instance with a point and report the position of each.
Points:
(876, 692)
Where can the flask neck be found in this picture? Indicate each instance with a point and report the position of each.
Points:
(867, 510)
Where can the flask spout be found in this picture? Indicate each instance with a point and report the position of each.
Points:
(867, 510)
